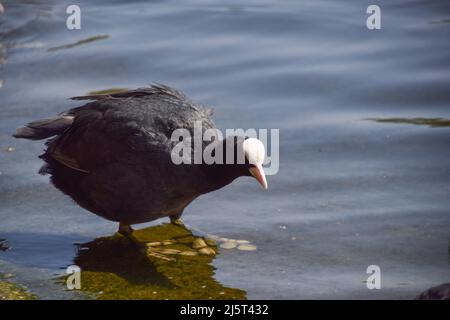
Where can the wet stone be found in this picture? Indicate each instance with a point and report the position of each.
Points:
(247, 247)
(169, 251)
(207, 251)
(188, 253)
(199, 243)
(228, 245)
(210, 242)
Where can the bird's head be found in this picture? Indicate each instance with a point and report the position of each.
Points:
(241, 157)
(254, 153)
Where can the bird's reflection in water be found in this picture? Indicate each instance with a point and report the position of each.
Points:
(112, 268)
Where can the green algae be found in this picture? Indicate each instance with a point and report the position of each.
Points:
(112, 268)
(107, 91)
(432, 122)
(11, 291)
(78, 43)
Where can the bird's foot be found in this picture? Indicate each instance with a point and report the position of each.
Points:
(177, 221)
(125, 229)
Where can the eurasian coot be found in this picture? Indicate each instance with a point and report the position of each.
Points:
(113, 155)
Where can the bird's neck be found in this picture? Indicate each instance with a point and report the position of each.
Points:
(221, 174)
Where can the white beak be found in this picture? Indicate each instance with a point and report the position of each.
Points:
(259, 175)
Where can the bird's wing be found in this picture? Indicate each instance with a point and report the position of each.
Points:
(116, 125)
(98, 138)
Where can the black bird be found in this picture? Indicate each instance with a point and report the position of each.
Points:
(113, 155)
(441, 292)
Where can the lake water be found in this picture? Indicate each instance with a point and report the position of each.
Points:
(350, 192)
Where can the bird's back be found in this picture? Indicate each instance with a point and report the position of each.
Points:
(113, 156)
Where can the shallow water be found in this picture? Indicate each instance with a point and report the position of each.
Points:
(351, 192)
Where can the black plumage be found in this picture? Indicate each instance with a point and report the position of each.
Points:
(441, 292)
(113, 154)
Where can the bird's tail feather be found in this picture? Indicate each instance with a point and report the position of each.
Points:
(44, 128)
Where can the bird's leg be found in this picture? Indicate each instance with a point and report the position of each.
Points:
(149, 249)
(176, 220)
(126, 231)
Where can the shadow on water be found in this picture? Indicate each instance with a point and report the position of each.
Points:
(112, 268)
(432, 122)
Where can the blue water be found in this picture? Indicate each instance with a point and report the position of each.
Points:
(350, 192)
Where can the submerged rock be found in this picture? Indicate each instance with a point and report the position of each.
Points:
(207, 251)
(199, 243)
(229, 245)
(247, 247)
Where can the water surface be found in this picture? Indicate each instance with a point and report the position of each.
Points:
(351, 192)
